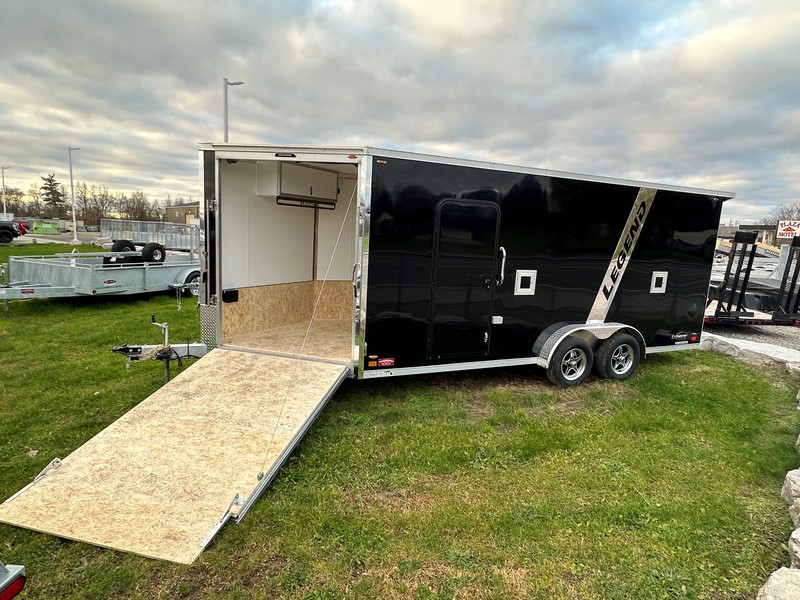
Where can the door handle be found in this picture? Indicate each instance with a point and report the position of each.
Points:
(502, 276)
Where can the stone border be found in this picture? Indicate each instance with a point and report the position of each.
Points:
(783, 584)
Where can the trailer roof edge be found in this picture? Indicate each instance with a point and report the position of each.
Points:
(373, 151)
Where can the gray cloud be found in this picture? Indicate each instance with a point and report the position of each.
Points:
(701, 94)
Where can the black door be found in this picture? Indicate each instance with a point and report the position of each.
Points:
(465, 250)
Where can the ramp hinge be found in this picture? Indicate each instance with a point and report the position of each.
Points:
(54, 464)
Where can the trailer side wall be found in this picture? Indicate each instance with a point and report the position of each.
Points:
(560, 236)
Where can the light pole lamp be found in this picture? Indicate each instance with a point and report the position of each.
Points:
(75, 240)
(225, 84)
(3, 169)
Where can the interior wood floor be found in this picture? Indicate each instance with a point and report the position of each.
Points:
(330, 339)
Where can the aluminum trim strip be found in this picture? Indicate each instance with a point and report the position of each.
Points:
(657, 349)
(448, 367)
(250, 152)
(316, 359)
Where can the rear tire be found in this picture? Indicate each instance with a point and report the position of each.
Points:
(123, 246)
(154, 252)
(618, 357)
(6, 237)
(571, 363)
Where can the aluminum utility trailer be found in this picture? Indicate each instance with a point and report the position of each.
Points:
(326, 263)
(98, 274)
(173, 236)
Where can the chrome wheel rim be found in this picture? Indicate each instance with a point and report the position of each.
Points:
(622, 359)
(573, 364)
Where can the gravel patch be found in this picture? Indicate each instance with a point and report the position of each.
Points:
(787, 336)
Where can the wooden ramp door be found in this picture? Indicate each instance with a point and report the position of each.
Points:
(162, 479)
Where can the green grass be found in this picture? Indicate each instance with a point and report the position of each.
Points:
(489, 484)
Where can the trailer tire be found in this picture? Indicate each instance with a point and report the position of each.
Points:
(618, 357)
(154, 252)
(571, 362)
(123, 246)
(192, 283)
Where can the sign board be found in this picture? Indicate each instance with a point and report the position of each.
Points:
(788, 229)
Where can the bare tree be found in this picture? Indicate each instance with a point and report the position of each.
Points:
(34, 203)
(15, 201)
(785, 212)
(95, 203)
(138, 207)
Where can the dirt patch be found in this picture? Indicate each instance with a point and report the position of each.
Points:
(401, 501)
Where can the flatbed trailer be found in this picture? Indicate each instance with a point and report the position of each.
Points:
(97, 274)
(740, 297)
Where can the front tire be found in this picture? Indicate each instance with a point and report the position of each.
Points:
(618, 357)
(571, 363)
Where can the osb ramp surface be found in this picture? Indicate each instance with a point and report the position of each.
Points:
(158, 480)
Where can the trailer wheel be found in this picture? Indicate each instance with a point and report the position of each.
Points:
(154, 252)
(192, 283)
(618, 357)
(123, 246)
(570, 363)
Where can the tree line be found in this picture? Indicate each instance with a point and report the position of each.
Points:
(52, 200)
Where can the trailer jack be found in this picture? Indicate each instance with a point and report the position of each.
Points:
(163, 352)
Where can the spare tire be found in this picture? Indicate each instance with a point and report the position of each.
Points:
(154, 252)
(123, 246)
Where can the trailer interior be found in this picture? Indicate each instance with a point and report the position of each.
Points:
(287, 253)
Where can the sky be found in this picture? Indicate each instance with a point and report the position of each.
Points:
(703, 94)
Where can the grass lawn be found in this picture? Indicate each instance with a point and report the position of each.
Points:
(490, 484)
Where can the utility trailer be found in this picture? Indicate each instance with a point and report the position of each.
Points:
(743, 297)
(99, 274)
(327, 263)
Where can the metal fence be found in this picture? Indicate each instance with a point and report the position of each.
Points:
(173, 236)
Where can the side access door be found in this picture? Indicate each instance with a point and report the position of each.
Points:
(464, 265)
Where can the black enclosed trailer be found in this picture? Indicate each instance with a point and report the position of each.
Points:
(394, 263)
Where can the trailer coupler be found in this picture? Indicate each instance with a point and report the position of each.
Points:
(163, 351)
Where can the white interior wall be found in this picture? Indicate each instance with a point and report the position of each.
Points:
(262, 243)
(330, 222)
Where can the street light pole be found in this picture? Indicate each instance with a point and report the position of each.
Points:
(225, 84)
(3, 169)
(75, 240)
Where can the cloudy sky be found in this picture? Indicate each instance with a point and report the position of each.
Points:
(702, 93)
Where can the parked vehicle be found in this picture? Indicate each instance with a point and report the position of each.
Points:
(12, 580)
(8, 231)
